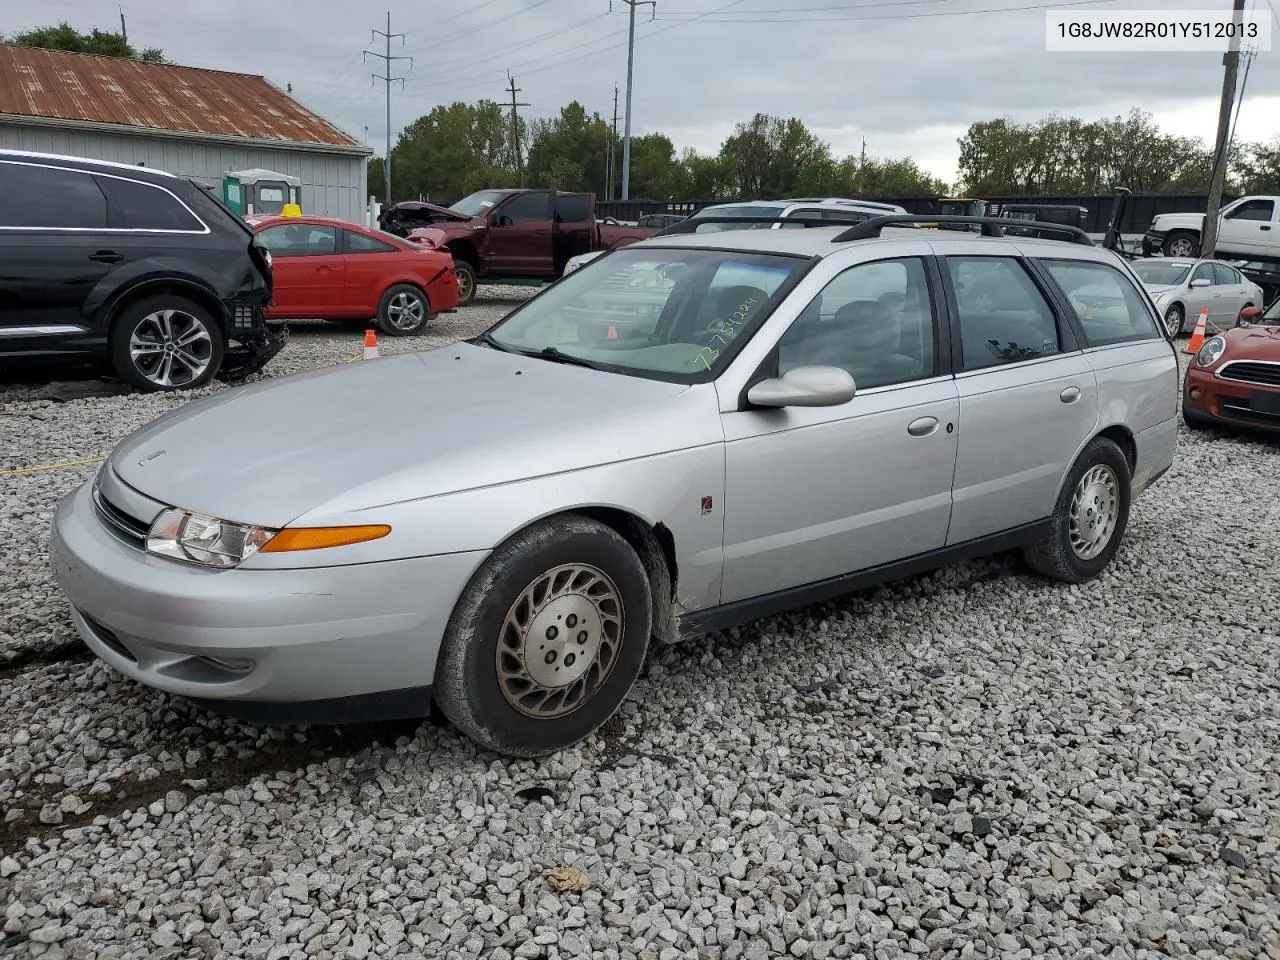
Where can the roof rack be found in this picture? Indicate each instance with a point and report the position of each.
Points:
(691, 224)
(991, 227)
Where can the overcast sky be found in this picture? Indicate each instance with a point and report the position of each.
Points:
(909, 76)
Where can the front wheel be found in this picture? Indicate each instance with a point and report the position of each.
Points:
(466, 275)
(1173, 320)
(166, 343)
(403, 311)
(547, 638)
(1089, 518)
(1181, 243)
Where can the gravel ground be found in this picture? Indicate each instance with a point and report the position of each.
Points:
(969, 764)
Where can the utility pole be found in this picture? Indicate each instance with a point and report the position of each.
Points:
(631, 57)
(388, 79)
(515, 126)
(1231, 62)
(610, 167)
(124, 31)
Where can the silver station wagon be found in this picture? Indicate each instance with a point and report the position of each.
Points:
(691, 432)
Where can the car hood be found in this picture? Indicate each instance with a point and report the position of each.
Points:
(1155, 289)
(1254, 341)
(1166, 221)
(403, 428)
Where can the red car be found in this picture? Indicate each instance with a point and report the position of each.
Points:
(1235, 377)
(329, 269)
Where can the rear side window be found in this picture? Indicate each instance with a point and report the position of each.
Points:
(1108, 306)
(359, 243)
(1004, 318)
(49, 197)
(526, 207)
(1226, 276)
(140, 206)
(573, 208)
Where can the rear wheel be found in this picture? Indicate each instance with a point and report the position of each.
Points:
(466, 275)
(1089, 519)
(547, 638)
(166, 343)
(403, 311)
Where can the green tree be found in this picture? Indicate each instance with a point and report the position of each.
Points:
(1259, 167)
(99, 42)
(569, 152)
(452, 151)
(773, 157)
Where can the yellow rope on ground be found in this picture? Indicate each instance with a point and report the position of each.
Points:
(43, 467)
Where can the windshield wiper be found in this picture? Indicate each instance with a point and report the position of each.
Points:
(551, 353)
(488, 341)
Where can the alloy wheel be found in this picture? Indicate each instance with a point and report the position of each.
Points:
(171, 348)
(560, 641)
(406, 310)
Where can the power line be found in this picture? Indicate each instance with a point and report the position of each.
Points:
(505, 18)
(388, 79)
(515, 127)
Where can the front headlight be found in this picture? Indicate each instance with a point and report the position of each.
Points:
(195, 538)
(1213, 348)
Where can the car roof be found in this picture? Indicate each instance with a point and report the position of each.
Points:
(817, 242)
(60, 160)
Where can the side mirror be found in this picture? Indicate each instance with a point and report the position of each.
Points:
(1202, 282)
(805, 387)
(1248, 315)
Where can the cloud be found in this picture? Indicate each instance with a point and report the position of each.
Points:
(910, 85)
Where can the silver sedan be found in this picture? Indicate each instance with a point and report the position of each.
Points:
(685, 434)
(1181, 289)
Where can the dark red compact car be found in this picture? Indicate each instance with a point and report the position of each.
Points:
(328, 269)
(1235, 377)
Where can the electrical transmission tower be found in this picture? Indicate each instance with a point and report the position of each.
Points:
(388, 79)
(515, 125)
(631, 52)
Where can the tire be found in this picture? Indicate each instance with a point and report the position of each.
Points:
(403, 311)
(1055, 556)
(1181, 243)
(466, 281)
(468, 688)
(1194, 420)
(1174, 320)
(166, 343)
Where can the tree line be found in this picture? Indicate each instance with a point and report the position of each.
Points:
(462, 147)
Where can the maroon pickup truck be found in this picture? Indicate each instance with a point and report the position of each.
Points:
(497, 235)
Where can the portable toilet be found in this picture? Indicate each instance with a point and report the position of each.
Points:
(262, 191)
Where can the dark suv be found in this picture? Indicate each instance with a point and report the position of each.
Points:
(139, 268)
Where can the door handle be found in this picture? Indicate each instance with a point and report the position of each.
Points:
(922, 427)
(1264, 227)
(106, 256)
(1070, 395)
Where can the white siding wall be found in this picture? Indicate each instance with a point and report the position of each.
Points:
(333, 185)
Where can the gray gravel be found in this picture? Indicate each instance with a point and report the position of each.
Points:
(969, 764)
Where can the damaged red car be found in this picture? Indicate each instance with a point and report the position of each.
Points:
(329, 269)
(1234, 379)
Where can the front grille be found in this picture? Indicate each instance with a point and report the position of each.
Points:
(1240, 410)
(128, 529)
(1252, 371)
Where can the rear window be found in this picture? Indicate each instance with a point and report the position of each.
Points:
(32, 195)
(139, 206)
(1108, 306)
(771, 210)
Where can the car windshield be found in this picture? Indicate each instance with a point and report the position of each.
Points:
(764, 210)
(1162, 274)
(478, 203)
(665, 313)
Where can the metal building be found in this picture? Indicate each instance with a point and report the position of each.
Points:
(192, 122)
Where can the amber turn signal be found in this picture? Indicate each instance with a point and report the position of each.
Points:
(316, 538)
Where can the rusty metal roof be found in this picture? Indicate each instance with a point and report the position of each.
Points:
(58, 85)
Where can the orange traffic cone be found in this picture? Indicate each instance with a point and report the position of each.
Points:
(1198, 335)
(370, 345)
(612, 334)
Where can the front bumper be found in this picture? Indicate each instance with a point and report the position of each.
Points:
(325, 644)
(1206, 396)
(1153, 242)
